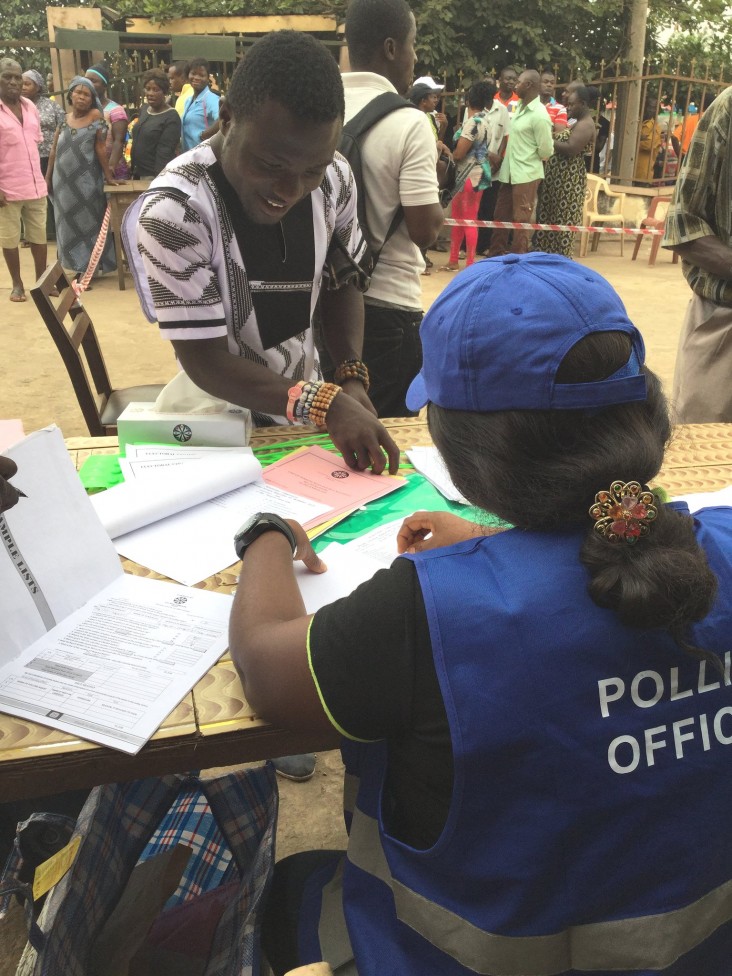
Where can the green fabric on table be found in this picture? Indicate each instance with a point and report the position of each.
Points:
(99, 472)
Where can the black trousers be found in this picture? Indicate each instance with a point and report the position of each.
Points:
(392, 351)
(485, 212)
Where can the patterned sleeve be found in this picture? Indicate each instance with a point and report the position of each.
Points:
(691, 214)
(340, 185)
(176, 245)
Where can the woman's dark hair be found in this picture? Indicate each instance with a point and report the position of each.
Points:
(181, 68)
(370, 22)
(586, 94)
(199, 63)
(481, 94)
(540, 471)
(293, 69)
(158, 77)
(103, 70)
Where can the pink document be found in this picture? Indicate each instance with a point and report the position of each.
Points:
(324, 477)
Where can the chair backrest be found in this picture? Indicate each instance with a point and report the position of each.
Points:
(656, 202)
(72, 331)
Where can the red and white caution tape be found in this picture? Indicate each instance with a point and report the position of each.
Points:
(515, 225)
(82, 284)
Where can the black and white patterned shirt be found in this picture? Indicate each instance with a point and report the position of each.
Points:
(210, 272)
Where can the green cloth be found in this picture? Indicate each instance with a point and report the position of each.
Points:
(99, 472)
(529, 143)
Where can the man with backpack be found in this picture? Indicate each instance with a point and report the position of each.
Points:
(399, 208)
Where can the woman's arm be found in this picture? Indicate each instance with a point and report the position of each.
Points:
(100, 148)
(51, 161)
(119, 131)
(581, 135)
(462, 149)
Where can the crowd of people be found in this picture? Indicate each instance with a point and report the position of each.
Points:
(512, 806)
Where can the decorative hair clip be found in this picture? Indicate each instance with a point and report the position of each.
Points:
(624, 513)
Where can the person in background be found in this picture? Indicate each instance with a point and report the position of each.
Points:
(201, 108)
(651, 138)
(529, 144)
(23, 192)
(51, 115)
(505, 102)
(532, 719)
(399, 157)
(471, 155)
(180, 88)
(439, 118)
(156, 134)
(116, 118)
(699, 229)
(562, 192)
(78, 168)
(557, 111)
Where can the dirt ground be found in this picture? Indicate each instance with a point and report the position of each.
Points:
(36, 388)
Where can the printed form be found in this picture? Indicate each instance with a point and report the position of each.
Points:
(112, 670)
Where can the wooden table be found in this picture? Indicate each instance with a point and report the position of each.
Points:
(214, 725)
(120, 198)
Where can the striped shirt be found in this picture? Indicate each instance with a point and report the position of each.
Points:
(702, 200)
(191, 236)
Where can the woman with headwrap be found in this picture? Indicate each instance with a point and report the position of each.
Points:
(51, 115)
(77, 170)
(116, 118)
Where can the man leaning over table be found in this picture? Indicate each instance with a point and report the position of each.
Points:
(523, 165)
(235, 237)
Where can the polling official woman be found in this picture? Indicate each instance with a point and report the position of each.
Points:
(536, 723)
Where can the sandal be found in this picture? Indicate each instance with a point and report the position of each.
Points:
(18, 295)
(449, 267)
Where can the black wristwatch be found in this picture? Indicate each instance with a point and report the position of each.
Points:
(257, 525)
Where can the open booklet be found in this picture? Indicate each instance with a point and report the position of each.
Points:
(179, 517)
(85, 648)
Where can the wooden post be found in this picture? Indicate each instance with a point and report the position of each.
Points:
(629, 108)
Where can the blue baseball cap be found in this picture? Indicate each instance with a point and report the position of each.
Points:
(496, 336)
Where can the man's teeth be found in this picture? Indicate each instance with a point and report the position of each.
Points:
(273, 203)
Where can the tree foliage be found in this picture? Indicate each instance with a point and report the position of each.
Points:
(466, 38)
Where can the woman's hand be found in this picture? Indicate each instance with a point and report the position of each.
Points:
(305, 552)
(433, 530)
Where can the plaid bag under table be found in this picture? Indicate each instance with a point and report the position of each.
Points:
(229, 821)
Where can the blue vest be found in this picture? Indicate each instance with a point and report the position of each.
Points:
(589, 830)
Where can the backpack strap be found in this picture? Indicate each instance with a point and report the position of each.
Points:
(353, 133)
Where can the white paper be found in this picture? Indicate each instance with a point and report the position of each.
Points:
(429, 462)
(380, 544)
(145, 452)
(131, 505)
(346, 570)
(196, 543)
(54, 554)
(113, 670)
(705, 499)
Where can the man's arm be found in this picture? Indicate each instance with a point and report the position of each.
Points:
(418, 184)
(543, 134)
(707, 253)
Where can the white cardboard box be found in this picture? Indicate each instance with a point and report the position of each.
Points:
(140, 423)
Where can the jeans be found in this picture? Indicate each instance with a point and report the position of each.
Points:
(392, 351)
(516, 201)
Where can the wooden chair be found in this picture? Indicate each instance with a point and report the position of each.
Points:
(73, 332)
(657, 223)
(595, 186)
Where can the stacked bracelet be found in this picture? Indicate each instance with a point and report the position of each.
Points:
(326, 394)
(314, 401)
(352, 369)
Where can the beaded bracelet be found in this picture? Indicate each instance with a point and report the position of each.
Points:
(302, 406)
(326, 394)
(353, 369)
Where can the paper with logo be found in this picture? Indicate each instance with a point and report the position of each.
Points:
(114, 669)
(322, 476)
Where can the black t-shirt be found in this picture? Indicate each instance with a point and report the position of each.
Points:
(372, 658)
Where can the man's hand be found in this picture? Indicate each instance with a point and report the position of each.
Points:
(433, 530)
(359, 436)
(8, 494)
(3, 199)
(494, 161)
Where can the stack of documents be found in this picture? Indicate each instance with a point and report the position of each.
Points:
(177, 513)
(87, 649)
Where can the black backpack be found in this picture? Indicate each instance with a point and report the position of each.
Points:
(350, 146)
